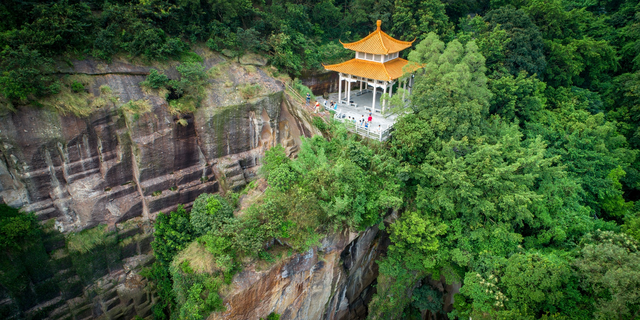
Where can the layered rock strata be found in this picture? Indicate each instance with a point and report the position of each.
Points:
(110, 167)
(113, 167)
(333, 281)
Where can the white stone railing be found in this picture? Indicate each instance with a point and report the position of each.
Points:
(367, 132)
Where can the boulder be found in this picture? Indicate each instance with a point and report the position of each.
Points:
(227, 53)
(253, 59)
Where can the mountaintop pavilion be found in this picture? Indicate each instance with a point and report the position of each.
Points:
(377, 64)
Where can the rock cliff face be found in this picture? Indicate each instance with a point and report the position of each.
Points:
(332, 282)
(109, 167)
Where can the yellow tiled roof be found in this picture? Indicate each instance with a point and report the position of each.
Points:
(388, 71)
(378, 42)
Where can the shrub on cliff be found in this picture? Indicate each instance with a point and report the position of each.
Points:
(155, 80)
(16, 228)
(320, 124)
(173, 232)
(25, 74)
(209, 210)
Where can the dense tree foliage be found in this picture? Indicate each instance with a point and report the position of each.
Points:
(16, 229)
(514, 170)
(518, 186)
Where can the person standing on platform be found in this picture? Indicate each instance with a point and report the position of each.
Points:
(370, 118)
(308, 98)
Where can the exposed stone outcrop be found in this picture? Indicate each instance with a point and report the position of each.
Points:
(110, 167)
(77, 280)
(322, 82)
(253, 59)
(332, 282)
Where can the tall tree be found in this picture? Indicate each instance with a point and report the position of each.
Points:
(450, 92)
(525, 48)
(415, 19)
(608, 264)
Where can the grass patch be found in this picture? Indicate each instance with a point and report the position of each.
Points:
(228, 83)
(190, 57)
(183, 105)
(77, 87)
(130, 240)
(72, 97)
(105, 89)
(272, 316)
(99, 102)
(185, 266)
(6, 106)
(214, 72)
(84, 241)
(275, 255)
(136, 108)
(320, 124)
(250, 69)
(300, 88)
(183, 122)
(250, 90)
(200, 260)
(105, 99)
(234, 197)
(156, 193)
(154, 80)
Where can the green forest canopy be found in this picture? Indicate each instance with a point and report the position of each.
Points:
(515, 171)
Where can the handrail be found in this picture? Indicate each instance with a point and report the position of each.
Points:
(382, 135)
(295, 93)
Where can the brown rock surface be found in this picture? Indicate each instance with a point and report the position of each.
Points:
(333, 281)
(109, 167)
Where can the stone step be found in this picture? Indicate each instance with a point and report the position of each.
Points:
(37, 206)
(45, 307)
(82, 175)
(182, 178)
(83, 165)
(61, 312)
(110, 155)
(46, 214)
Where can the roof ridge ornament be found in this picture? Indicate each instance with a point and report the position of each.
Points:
(378, 23)
(378, 42)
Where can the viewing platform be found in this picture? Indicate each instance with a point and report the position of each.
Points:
(359, 109)
(374, 72)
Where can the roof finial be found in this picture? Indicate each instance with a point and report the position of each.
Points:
(378, 23)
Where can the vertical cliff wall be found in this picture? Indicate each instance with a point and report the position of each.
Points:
(107, 176)
(113, 172)
(110, 167)
(334, 281)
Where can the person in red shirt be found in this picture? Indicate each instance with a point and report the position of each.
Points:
(370, 118)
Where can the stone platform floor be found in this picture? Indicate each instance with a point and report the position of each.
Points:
(363, 109)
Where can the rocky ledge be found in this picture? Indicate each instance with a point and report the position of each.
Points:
(108, 167)
(334, 281)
